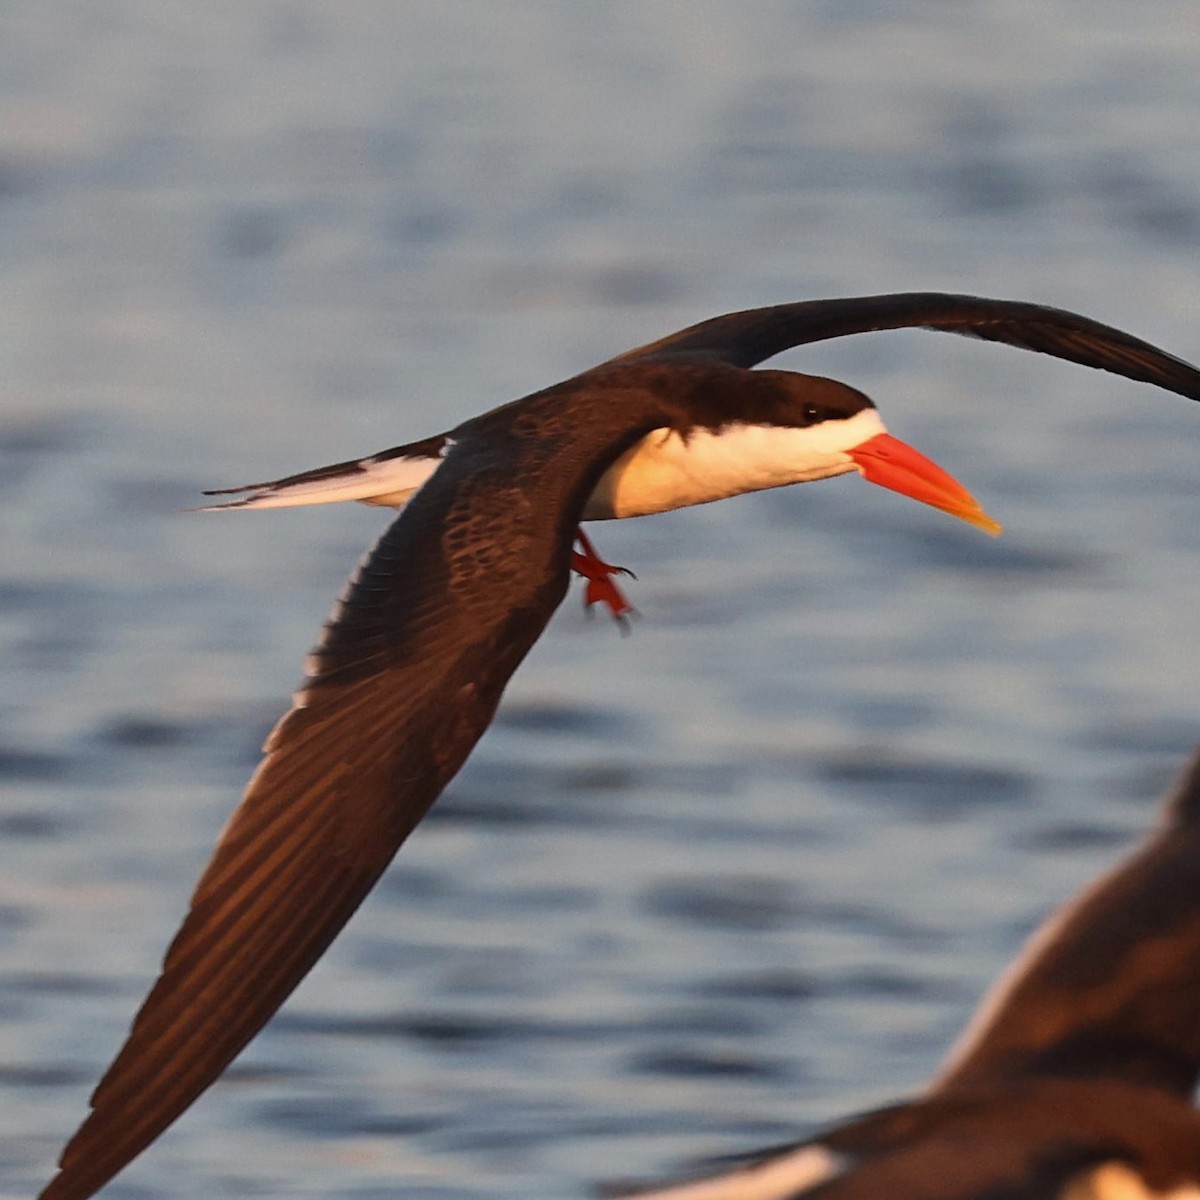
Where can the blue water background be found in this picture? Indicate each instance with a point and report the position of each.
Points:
(699, 888)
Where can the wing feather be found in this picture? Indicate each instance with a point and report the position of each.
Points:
(406, 679)
(1108, 987)
(744, 339)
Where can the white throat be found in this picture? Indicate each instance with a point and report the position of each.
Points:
(665, 471)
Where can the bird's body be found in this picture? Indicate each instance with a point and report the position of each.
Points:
(717, 431)
(757, 436)
(417, 653)
(1074, 1081)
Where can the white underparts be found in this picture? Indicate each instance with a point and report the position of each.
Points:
(790, 1174)
(665, 470)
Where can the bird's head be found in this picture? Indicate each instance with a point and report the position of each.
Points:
(838, 429)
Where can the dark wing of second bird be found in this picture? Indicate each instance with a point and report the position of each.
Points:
(405, 681)
(1110, 987)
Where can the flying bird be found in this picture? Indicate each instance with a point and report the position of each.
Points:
(1073, 1081)
(700, 430)
(413, 661)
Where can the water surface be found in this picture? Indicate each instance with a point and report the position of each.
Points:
(745, 871)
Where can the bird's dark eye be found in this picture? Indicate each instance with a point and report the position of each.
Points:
(812, 414)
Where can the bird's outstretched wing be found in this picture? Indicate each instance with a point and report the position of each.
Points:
(743, 339)
(405, 681)
(1109, 987)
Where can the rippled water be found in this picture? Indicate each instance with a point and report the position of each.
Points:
(701, 887)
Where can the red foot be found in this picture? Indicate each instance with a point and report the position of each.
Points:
(600, 587)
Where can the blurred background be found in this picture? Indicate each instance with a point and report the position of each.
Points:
(700, 888)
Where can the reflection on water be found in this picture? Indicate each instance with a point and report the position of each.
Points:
(701, 887)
